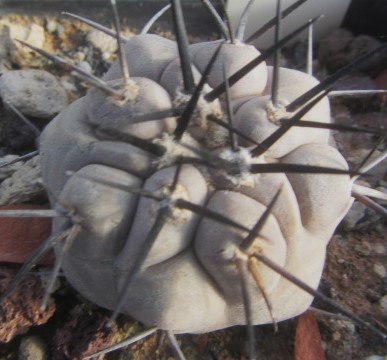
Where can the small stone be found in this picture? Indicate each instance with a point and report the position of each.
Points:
(336, 336)
(32, 34)
(380, 270)
(331, 49)
(380, 249)
(85, 66)
(364, 44)
(51, 26)
(24, 185)
(341, 47)
(355, 214)
(7, 171)
(32, 348)
(79, 56)
(35, 93)
(363, 248)
(333, 292)
(19, 54)
(67, 83)
(106, 57)
(344, 328)
(21, 309)
(383, 303)
(83, 333)
(102, 41)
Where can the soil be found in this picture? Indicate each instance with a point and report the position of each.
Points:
(354, 276)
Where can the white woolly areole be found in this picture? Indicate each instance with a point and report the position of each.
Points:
(176, 215)
(129, 91)
(210, 134)
(277, 113)
(243, 159)
(173, 149)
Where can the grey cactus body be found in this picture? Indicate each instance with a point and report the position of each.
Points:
(188, 282)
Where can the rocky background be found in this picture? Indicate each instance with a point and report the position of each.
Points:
(70, 328)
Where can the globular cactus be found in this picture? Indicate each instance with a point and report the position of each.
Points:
(188, 282)
(176, 212)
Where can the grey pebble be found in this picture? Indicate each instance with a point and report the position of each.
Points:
(85, 66)
(7, 171)
(380, 270)
(23, 185)
(102, 41)
(380, 249)
(35, 93)
(383, 303)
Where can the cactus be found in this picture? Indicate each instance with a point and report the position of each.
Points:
(187, 176)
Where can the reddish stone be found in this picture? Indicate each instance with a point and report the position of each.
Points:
(19, 237)
(308, 345)
(85, 332)
(21, 309)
